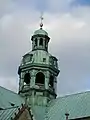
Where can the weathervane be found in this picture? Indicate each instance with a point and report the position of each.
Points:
(41, 24)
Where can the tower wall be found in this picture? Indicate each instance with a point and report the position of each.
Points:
(38, 72)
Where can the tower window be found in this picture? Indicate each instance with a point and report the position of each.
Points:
(41, 42)
(40, 78)
(44, 59)
(19, 70)
(51, 81)
(45, 44)
(36, 42)
(27, 78)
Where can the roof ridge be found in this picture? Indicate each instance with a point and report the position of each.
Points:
(73, 94)
(8, 90)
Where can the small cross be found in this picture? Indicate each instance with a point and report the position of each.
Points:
(41, 24)
(41, 17)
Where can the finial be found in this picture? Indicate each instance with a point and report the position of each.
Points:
(41, 24)
(66, 114)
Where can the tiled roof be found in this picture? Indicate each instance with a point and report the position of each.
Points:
(6, 114)
(14, 113)
(9, 98)
(77, 105)
(9, 103)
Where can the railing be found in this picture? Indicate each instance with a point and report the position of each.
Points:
(41, 86)
(26, 87)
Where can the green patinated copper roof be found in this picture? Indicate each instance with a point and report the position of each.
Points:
(6, 114)
(77, 105)
(9, 103)
(41, 32)
(8, 97)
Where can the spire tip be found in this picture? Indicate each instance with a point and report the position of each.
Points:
(41, 24)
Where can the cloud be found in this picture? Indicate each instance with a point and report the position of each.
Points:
(6, 6)
(69, 32)
(10, 83)
(72, 41)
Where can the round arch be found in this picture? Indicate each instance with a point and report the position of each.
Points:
(51, 81)
(41, 42)
(40, 78)
(27, 78)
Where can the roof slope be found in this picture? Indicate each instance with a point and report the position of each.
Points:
(9, 103)
(9, 98)
(77, 105)
(41, 32)
(6, 114)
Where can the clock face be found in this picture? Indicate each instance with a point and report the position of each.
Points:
(28, 58)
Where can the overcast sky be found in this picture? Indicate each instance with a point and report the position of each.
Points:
(68, 25)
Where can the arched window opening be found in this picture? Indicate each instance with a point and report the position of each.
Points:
(51, 81)
(45, 44)
(41, 42)
(40, 78)
(36, 42)
(27, 78)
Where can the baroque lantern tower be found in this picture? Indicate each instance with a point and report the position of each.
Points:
(38, 71)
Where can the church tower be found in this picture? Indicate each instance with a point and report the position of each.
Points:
(38, 71)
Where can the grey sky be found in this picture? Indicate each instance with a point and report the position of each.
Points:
(68, 27)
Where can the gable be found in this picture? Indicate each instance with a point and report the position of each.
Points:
(23, 113)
